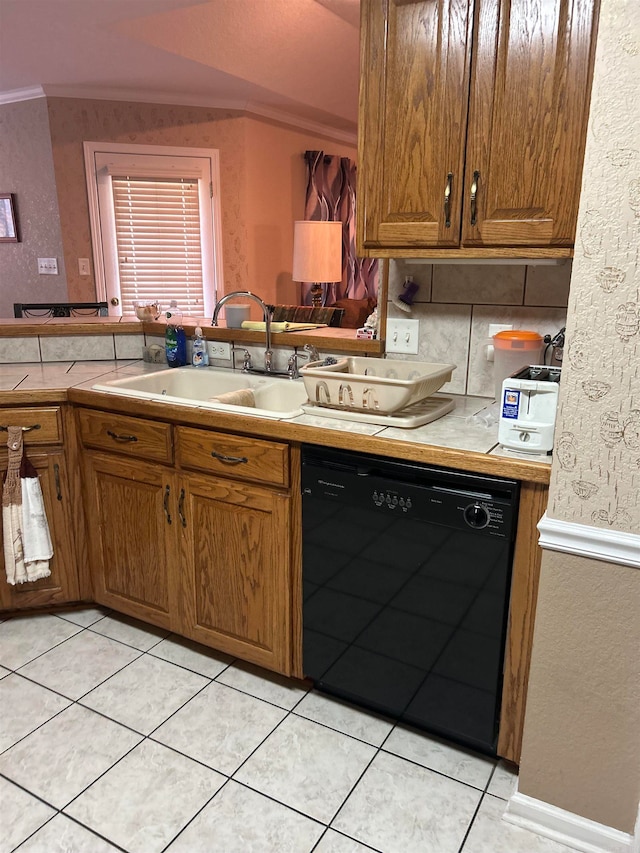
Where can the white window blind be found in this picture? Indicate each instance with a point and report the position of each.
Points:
(158, 240)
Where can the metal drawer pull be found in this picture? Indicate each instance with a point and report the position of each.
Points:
(474, 193)
(231, 460)
(183, 520)
(24, 429)
(116, 437)
(165, 504)
(56, 477)
(447, 201)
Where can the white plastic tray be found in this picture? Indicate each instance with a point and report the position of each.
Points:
(415, 415)
(373, 385)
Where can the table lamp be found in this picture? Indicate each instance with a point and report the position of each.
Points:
(317, 255)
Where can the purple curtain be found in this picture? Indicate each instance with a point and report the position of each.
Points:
(331, 196)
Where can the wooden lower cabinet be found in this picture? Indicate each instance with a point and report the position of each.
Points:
(204, 553)
(62, 584)
(235, 574)
(132, 533)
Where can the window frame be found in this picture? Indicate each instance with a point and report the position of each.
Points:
(161, 161)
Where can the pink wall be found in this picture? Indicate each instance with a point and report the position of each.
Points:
(262, 177)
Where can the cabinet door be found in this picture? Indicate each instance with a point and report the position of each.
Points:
(62, 584)
(529, 105)
(413, 110)
(236, 570)
(132, 536)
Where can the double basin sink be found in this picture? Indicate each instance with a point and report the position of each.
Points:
(189, 386)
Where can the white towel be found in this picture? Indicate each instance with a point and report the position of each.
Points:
(27, 541)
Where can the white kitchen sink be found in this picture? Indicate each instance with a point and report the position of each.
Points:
(192, 386)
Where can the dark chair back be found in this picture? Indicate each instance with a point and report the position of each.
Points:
(60, 309)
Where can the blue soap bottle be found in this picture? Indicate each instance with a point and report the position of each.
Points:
(199, 354)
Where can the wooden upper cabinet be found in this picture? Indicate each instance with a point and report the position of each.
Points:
(528, 113)
(413, 111)
(472, 125)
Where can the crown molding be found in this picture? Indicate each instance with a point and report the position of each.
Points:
(14, 96)
(181, 99)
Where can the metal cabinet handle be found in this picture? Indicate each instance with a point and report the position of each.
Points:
(447, 201)
(56, 477)
(474, 194)
(230, 460)
(24, 429)
(183, 520)
(116, 437)
(165, 503)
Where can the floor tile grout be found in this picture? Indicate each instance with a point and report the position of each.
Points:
(288, 712)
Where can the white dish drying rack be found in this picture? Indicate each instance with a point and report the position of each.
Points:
(377, 390)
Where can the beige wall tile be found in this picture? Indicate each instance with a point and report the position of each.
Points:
(478, 284)
(422, 273)
(19, 350)
(548, 285)
(81, 348)
(444, 337)
(542, 320)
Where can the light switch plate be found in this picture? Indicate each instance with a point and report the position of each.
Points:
(402, 336)
(84, 267)
(47, 266)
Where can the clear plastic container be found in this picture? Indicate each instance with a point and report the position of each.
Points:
(513, 350)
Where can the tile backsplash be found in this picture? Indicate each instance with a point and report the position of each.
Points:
(456, 303)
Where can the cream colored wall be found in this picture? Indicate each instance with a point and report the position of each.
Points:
(581, 749)
(276, 180)
(74, 121)
(581, 744)
(596, 479)
(26, 169)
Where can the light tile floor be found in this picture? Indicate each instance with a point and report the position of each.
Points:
(115, 736)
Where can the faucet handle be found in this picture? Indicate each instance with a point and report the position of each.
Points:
(246, 357)
(310, 353)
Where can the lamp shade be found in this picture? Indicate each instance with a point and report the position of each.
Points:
(317, 251)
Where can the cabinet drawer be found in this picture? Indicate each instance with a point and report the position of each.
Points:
(48, 420)
(233, 456)
(131, 436)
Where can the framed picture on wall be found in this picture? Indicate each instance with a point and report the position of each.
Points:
(8, 228)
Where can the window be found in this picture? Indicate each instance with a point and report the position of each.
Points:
(155, 223)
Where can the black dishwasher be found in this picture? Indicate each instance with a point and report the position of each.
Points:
(406, 571)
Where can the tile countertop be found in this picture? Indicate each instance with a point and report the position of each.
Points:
(456, 430)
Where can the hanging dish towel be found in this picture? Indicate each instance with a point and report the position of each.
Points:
(27, 542)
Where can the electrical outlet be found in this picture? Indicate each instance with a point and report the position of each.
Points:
(402, 335)
(218, 349)
(47, 266)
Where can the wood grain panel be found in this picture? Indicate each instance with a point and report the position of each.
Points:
(239, 457)
(522, 611)
(132, 538)
(530, 89)
(48, 420)
(236, 589)
(62, 584)
(413, 106)
(141, 439)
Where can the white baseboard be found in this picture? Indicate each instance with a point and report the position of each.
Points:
(610, 546)
(565, 827)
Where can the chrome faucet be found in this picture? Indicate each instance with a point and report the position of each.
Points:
(310, 353)
(266, 311)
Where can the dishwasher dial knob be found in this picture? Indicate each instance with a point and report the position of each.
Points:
(477, 516)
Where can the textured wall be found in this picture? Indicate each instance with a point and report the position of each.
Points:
(596, 472)
(581, 744)
(74, 121)
(26, 169)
